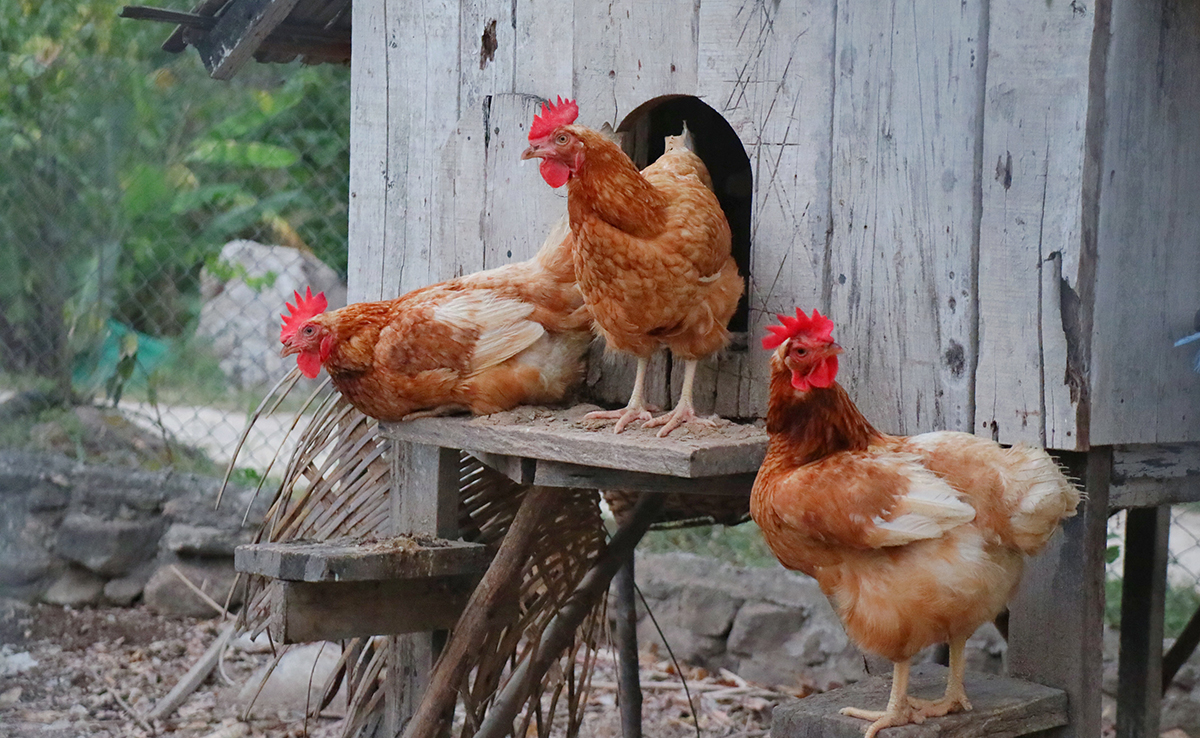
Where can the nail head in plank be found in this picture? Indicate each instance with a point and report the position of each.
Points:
(1002, 707)
(402, 557)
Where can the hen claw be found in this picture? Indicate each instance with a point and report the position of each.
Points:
(884, 719)
(938, 708)
(676, 418)
(623, 417)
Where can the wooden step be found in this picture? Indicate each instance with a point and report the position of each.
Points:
(1002, 707)
(335, 590)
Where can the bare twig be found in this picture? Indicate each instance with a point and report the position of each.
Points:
(132, 713)
(193, 678)
(200, 593)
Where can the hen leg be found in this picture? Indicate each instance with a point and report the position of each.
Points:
(899, 710)
(635, 410)
(684, 412)
(955, 698)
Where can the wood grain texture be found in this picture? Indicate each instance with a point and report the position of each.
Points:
(1064, 585)
(905, 126)
(239, 31)
(331, 611)
(416, 56)
(1002, 707)
(1152, 475)
(399, 558)
(369, 122)
(738, 450)
(1148, 273)
(1140, 669)
(1029, 379)
(767, 68)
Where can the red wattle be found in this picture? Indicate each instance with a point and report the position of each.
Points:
(824, 374)
(554, 172)
(310, 364)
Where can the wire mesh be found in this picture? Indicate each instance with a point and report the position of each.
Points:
(152, 222)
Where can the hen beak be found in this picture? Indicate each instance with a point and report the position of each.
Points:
(533, 152)
(835, 349)
(287, 350)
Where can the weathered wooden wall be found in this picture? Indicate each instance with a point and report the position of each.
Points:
(929, 176)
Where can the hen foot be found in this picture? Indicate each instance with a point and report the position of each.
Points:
(889, 718)
(677, 417)
(938, 708)
(623, 417)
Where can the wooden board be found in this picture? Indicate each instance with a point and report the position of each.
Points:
(241, 28)
(768, 69)
(331, 611)
(906, 120)
(1148, 272)
(1002, 707)
(1030, 379)
(1152, 475)
(562, 435)
(403, 557)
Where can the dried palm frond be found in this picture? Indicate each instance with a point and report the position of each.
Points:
(335, 485)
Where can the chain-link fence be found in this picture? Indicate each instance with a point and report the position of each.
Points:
(152, 221)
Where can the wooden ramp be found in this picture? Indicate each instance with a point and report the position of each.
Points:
(1003, 708)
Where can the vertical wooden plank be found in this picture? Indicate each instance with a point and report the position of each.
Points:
(1148, 273)
(1139, 675)
(632, 51)
(768, 69)
(487, 51)
(416, 56)
(1029, 381)
(1064, 585)
(368, 150)
(906, 121)
(460, 228)
(545, 34)
(519, 207)
(424, 501)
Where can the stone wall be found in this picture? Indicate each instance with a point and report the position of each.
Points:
(79, 534)
(768, 625)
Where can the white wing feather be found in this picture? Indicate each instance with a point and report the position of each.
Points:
(504, 330)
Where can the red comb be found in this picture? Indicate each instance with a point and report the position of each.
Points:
(553, 116)
(817, 327)
(306, 307)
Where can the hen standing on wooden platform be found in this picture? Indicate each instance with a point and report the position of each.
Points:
(652, 251)
(915, 540)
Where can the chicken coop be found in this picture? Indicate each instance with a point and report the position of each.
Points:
(996, 203)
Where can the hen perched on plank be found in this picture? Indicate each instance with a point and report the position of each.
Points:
(652, 251)
(483, 343)
(915, 540)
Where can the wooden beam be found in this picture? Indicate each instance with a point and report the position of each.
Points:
(332, 611)
(1000, 707)
(1143, 594)
(629, 687)
(1154, 475)
(397, 558)
(560, 436)
(574, 476)
(1064, 585)
(238, 33)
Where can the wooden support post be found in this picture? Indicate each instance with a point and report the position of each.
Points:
(1056, 622)
(1139, 690)
(424, 501)
(629, 689)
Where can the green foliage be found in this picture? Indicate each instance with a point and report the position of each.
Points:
(127, 169)
(741, 545)
(1179, 604)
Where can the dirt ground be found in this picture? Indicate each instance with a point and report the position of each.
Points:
(98, 671)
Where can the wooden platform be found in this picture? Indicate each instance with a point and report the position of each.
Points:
(335, 590)
(558, 448)
(1003, 707)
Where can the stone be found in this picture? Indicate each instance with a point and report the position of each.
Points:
(13, 663)
(203, 540)
(763, 627)
(167, 595)
(124, 590)
(295, 683)
(75, 588)
(240, 314)
(106, 546)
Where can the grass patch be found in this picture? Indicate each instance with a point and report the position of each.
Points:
(1179, 605)
(741, 545)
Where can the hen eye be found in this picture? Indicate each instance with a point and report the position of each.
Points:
(308, 330)
(561, 139)
(800, 351)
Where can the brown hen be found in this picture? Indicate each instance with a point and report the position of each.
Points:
(652, 251)
(915, 540)
(482, 343)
